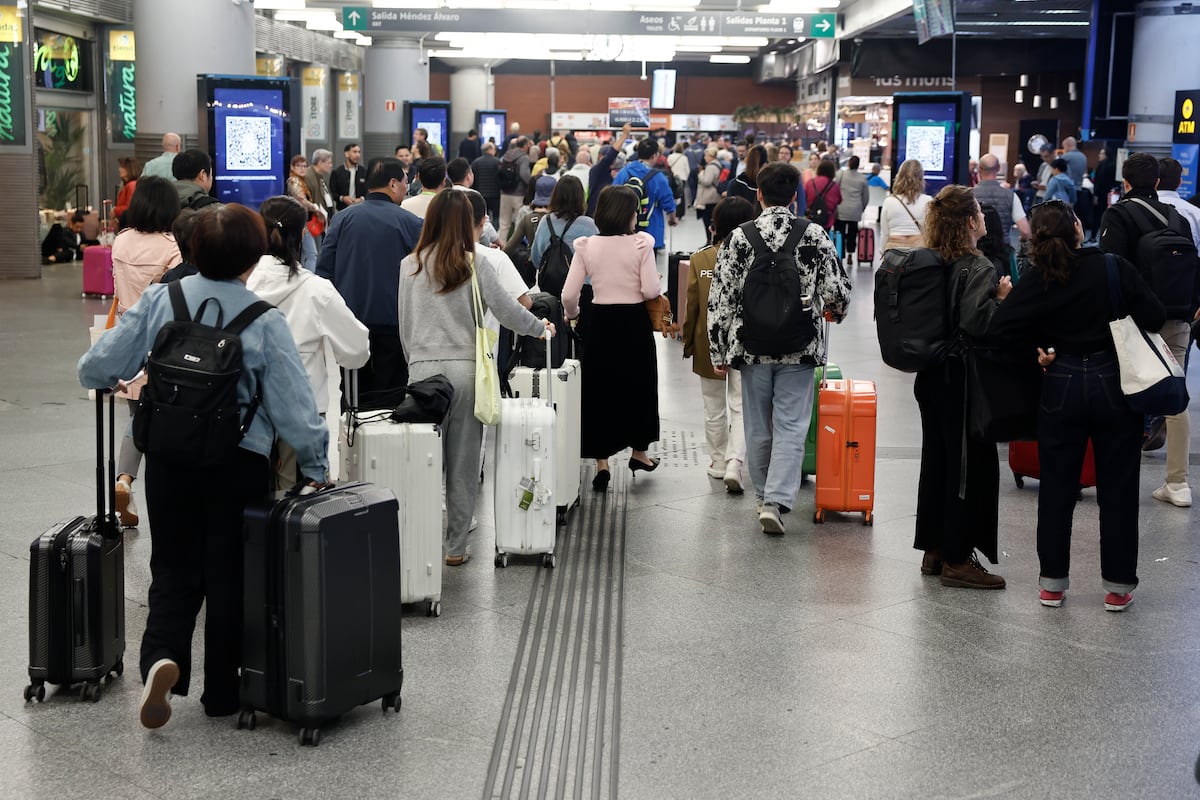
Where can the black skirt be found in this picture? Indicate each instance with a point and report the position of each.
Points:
(620, 381)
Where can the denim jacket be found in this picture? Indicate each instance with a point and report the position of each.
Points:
(270, 363)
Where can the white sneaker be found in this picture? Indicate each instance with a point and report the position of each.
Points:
(733, 476)
(1177, 494)
(155, 708)
(770, 520)
(127, 510)
(714, 471)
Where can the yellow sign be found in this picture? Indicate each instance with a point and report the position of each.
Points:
(348, 82)
(314, 76)
(1188, 108)
(269, 66)
(11, 31)
(121, 46)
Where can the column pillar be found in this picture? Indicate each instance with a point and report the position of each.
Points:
(471, 90)
(394, 71)
(176, 42)
(19, 153)
(1162, 33)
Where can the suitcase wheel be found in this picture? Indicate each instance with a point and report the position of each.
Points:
(391, 701)
(868, 518)
(35, 690)
(1019, 480)
(819, 516)
(247, 720)
(434, 609)
(501, 560)
(549, 561)
(119, 668)
(90, 692)
(310, 737)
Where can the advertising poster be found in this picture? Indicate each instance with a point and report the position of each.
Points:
(634, 110)
(269, 66)
(1187, 155)
(250, 157)
(12, 78)
(492, 127)
(122, 86)
(313, 98)
(348, 108)
(928, 133)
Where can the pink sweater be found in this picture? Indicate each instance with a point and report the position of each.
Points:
(621, 269)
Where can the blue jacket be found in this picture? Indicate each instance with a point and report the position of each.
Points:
(1060, 187)
(361, 254)
(658, 192)
(270, 363)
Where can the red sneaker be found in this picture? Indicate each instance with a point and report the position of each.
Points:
(1117, 602)
(1051, 599)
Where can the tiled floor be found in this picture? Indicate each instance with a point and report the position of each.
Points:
(817, 665)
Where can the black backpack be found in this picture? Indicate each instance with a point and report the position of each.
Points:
(528, 351)
(818, 212)
(912, 314)
(777, 316)
(508, 175)
(639, 185)
(189, 411)
(1166, 257)
(555, 262)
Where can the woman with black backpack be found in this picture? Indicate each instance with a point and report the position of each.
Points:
(564, 223)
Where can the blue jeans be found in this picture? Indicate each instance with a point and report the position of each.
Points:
(308, 252)
(776, 409)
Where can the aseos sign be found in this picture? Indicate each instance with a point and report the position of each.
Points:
(12, 78)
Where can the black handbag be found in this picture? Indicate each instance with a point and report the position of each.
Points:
(1004, 389)
(425, 401)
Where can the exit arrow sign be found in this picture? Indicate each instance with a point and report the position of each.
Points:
(355, 18)
(822, 26)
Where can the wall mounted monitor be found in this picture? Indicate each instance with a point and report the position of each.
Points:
(492, 127)
(247, 126)
(933, 128)
(433, 116)
(662, 90)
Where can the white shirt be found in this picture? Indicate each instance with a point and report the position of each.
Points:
(489, 234)
(895, 219)
(1185, 209)
(510, 280)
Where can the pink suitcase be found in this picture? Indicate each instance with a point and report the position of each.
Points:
(97, 271)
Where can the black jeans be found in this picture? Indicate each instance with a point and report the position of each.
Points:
(1081, 398)
(954, 526)
(849, 229)
(196, 558)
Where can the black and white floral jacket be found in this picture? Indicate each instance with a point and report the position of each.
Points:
(822, 277)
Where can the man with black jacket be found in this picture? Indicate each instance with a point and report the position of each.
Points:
(349, 181)
(484, 169)
(1121, 228)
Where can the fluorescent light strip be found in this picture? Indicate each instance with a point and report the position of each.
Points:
(278, 5)
(1029, 23)
(728, 59)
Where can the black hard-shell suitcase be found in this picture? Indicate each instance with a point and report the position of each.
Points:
(321, 631)
(77, 590)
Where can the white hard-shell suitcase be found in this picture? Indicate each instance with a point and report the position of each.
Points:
(526, 511)
(568, 405)
(405, 457)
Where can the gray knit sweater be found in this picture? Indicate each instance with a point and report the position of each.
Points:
(441, 327)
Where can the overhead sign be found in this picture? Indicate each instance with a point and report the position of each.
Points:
(612, 23)
(1187, 109)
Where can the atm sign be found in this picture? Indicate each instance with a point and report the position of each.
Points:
(1185, 117)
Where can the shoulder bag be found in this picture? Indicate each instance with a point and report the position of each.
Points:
(487, 377)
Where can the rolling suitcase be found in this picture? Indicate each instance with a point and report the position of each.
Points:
(677, 269)
(568, 391)
(866, 246)
(405, 457)
(77, 590)
(525, 504)
(321, 626)
(1024, 462)
(830, 371)
(97, 271)
(846, 449)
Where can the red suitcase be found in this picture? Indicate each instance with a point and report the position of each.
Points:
(97, 271)
(846, 448)
(866, 245)
(1023, 461)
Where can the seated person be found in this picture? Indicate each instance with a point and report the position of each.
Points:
(66, 243)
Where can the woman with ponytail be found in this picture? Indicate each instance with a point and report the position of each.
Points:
(315, 312)
(957, 513)
(1060, 311)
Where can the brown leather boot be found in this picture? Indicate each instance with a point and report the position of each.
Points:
(931, 562)
(970, 574)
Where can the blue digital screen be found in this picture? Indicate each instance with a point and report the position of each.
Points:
(492, 127)
(249, 145)
(436, 121)
(928, 133)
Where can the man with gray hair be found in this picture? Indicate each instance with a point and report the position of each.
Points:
(1076, 161)
(161, 165)
(317, 179)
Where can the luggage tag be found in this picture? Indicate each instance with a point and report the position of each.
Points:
(527, 486)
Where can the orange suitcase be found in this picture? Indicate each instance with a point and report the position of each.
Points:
(846, 449)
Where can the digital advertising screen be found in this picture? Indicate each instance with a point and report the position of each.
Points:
(492, 126)
(434, 118)
(933, 128)
(250, 136)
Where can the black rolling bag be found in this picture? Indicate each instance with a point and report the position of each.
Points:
(321, 631)
(77, 590)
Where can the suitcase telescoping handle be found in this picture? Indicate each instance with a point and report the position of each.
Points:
(549, 371)
(106, 519)
(825, 354)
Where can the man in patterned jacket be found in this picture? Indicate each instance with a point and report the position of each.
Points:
(777, 391)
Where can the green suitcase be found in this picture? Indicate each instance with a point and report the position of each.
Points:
(810, 444)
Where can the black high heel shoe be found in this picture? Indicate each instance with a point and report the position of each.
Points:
(636, 466)
(600, 482)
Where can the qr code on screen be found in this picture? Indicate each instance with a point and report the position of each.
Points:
(247, 143)
(926, 143)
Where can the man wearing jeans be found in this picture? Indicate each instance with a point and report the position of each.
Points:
(777, 391)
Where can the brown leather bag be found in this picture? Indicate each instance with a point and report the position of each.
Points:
(661, 318)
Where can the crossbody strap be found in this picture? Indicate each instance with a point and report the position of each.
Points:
(909, 212)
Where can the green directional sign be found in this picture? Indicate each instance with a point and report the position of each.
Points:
(822, 26)
(355, 18)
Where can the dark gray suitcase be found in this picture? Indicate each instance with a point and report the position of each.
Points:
(77, 590)
(321, 630)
